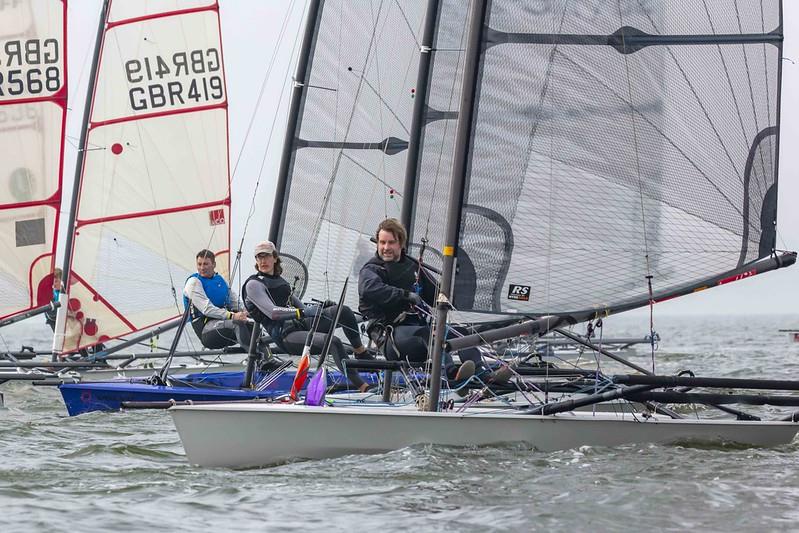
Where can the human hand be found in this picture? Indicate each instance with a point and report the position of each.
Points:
(415, 299)
(239, 315)
(328, 303)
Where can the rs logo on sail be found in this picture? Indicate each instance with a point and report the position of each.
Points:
(519, 292)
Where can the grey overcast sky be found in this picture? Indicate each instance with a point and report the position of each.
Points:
(251, 31)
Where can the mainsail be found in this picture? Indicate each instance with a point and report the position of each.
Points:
(33, 98)
(347, 150)
(155, 186)
(611, 148)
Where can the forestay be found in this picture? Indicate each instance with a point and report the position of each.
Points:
(611, 143)
(33, 100)
(155, 185)
(348, 150)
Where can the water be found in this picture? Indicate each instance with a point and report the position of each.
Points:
(127, 471)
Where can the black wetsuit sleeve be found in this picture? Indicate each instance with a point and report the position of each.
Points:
(259, 297)
(375, 291)
(296, 302)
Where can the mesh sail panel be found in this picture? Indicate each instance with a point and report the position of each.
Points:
(438, 131)
(155, 185)
(349, 150)
(617, 140)
(32, 115)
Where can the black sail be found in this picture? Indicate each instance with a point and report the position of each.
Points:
(348, 150)
(614, 143)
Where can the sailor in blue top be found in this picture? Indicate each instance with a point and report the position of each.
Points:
(217, 316)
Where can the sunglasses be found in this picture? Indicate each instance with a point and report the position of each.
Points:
(263, 255)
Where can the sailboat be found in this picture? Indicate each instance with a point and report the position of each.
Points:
(153, 189)
(102, 303)
(568, 118)
(33, 107)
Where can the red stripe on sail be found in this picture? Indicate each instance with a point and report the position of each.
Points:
(143, 18)
(54, 201)
(156, 212)
(181, 111)
(98, 297)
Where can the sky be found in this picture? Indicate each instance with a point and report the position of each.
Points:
(253, 48)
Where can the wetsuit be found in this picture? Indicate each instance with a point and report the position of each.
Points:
(384, 288)
(269, 301)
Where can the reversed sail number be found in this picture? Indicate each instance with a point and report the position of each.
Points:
(24, 70)
(184, 78)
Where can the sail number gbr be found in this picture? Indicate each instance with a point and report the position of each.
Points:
(29, 67)
(185, 78)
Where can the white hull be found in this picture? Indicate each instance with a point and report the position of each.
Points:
(246, 435)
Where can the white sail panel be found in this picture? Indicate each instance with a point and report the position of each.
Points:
(26, 255)
(124, 271)
(32, 114)
(155, 185)
(129, 9)
(153, 164)
(160, 65)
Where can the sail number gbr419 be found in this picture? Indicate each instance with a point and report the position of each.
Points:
(182, 79)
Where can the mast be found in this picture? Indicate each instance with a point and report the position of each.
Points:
(477, 14)
(84, 134)
(297, 93)
(58, 337)
(418, 118)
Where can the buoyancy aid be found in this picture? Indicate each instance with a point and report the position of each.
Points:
(218, 293)
(280, 292)
(400, 274)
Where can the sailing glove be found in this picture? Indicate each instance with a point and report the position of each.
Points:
(414, 299)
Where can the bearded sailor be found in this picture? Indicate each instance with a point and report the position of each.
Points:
(394, 295)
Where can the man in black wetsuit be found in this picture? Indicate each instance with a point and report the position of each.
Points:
(392, 288)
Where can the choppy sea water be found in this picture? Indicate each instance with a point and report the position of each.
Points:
(127, 471)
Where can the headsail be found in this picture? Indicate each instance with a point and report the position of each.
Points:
(347, 152)
(614, 142)
(33, 98)
(155, 185)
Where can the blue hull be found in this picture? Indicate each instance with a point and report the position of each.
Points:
(108, 396)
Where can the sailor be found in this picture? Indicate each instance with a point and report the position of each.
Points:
(216, 314)
(269, 300)
(51, 314)
(393, 289)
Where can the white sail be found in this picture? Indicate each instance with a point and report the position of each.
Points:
(155, 186)
(33, 96)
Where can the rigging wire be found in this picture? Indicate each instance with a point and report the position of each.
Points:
(264, 82)
(637, 155)
(251, 213)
